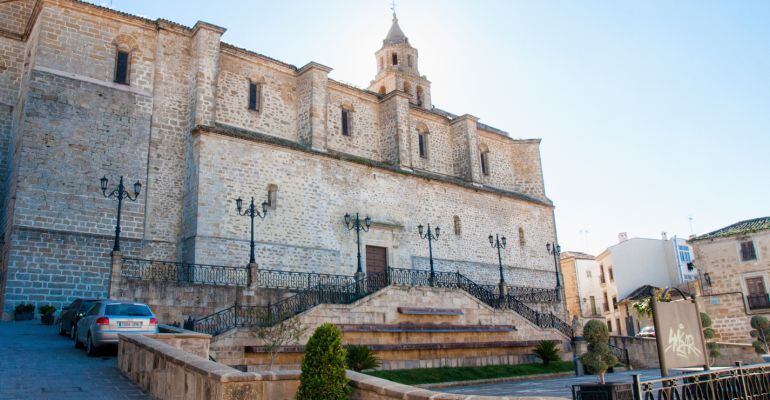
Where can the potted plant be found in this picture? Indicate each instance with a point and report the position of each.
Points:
(598, 360)
(46, 314)
(760, 333)
(24, 312)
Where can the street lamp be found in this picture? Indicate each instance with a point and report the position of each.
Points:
(119, 193)
(431, 237)
(499, 243)
(352, 224)
(251, 212)
(554, 249)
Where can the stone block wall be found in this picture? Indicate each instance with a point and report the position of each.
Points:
(643, 352)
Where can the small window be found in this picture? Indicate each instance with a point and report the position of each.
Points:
(602, 278)
(458, 228)
(523, 239)
(255, 90)
(612, 274)
(121, 67)
(345, 122)
(485, 162)
(588, 273)
(609, 325)
(272, 196)
(409, 60)
(617, 323)
(394, 59)
(422, 139)
(615, 302)
(748, 252)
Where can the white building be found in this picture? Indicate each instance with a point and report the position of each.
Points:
(589, 290)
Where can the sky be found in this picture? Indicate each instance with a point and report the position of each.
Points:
(654, 116)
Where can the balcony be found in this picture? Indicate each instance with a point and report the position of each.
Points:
(758, 301)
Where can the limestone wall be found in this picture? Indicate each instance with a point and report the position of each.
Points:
(643, 352)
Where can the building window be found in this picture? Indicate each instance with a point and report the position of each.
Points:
(593, 306)
(602, 279)
(121, 67)
(617, 323)
(748, 252)
(588, 273)
(609, 325)
(485, 162)
(272, 196)
(394, 59)
(606, 302)
(522, 238)
(345, 122)
(423, 141)
(612, 274)
(684, 254)
(615, 302)
(458, 228)
(757, 293)
(409, 60)
(255, 92)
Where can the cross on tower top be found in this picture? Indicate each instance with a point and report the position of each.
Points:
(393, 7)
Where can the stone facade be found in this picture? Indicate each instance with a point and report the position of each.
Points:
(183, 128)
(728, 295)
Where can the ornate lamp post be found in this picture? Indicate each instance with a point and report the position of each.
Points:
(431, 237)
(355, 224)
(554, 249)
(119, 193)
(251, 212)
(499, 243)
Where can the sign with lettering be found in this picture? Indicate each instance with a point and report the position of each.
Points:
(678, 333)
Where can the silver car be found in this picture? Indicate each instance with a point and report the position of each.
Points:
(107, 318)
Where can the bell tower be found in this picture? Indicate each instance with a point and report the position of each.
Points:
(397, 68)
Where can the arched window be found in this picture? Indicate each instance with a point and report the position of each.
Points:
(458, 228)
(122, 63)
(484, 153)
(255, 96)
(422, 140)
(126, 49)
(522, 239)
(419, 95)
(394, 58)
(272, 195)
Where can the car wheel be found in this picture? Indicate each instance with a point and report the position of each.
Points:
(78, 345)
(90, 349)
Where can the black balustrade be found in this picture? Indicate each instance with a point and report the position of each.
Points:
(758, 301)
(738, 383)
(167, 271)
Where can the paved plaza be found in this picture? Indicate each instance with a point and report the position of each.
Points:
(558, 387)
(37, 363)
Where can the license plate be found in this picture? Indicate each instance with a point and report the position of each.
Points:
(129, 324)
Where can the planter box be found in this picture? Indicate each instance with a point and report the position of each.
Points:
(47, 319)
(23, 316)
(607, 391)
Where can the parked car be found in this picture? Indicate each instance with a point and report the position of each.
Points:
(647, 331)
(71, 314)
(107, 318)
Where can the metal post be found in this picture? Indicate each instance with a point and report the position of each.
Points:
(656, 322)
(706, 367)
(430, 255)
(251, 239)
(121, 189)
(358, 243)
(637, 386)
(500, 262)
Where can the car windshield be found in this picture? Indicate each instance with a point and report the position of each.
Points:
(131, 310)
(86, 305)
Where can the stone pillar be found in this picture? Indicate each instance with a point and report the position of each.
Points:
(312, 81)
(113, 288)
(394, 120)
(579, 348)
(205, 50)
(465, 150)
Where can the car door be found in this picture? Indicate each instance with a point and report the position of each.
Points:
(66, 317)
(85, 323)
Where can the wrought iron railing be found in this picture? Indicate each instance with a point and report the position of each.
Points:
(738, 383)
(169, 271)
(621, 354)
(758, 301)
(528, 294)
(345, 291)
(294, 280)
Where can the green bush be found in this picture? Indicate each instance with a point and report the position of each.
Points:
(323, 366)
(599, 358)
(709, 335)
(760, 332)
(547, 351)
(47, 309)
(361, 357)
(23, 308)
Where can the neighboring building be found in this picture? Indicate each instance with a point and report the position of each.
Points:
(657, 262)
(734, 264)
(86, 91)
(632, 320)
(590, 291)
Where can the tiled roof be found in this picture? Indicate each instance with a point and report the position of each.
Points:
(395, 34)
(738, 228)
(577, 254)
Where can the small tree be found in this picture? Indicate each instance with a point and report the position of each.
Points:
(599, 358)
(760, 332)
(275, 337)
(361, 357)
(547, 351)
(709, 335)
(323, 366)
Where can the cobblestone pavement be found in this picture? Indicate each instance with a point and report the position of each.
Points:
(557, 387)
(37, 363)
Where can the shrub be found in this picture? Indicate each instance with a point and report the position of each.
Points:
(361, 357)
(23, 308)
(760, 332)
(323, 366)
(709, 334)
(547, 351)
(47, 309)
(599, 358)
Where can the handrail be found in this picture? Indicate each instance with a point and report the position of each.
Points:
(296, 280)
(738, 383)
(178, 272)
